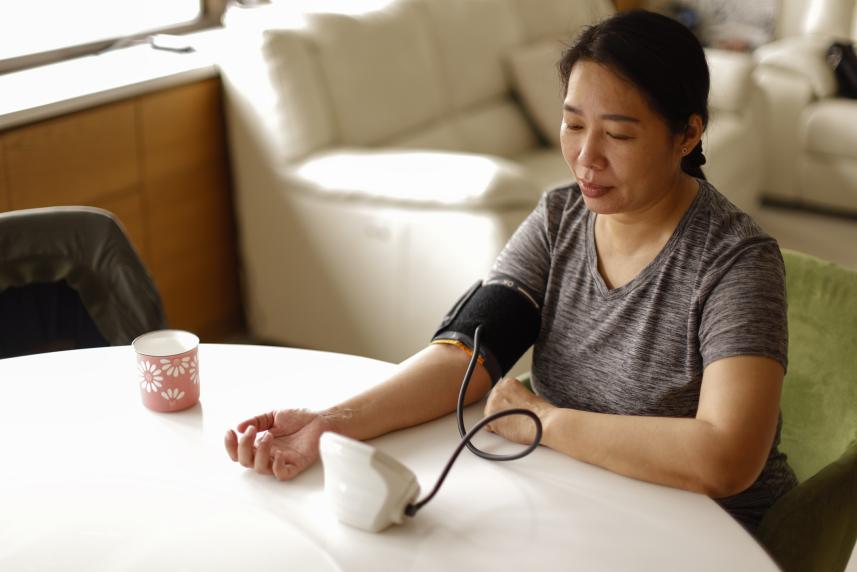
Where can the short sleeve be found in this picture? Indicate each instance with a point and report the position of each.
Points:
(745, 309)
(526, 258)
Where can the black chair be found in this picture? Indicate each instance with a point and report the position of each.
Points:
(70, 278)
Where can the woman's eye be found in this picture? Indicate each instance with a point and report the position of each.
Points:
(619, 136)
(574, 127)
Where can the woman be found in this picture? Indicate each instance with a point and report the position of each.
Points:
(661, 348)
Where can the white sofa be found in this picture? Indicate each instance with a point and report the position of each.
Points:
(382, 158)
(811, 134)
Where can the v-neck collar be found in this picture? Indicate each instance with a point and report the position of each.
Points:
(651, 268)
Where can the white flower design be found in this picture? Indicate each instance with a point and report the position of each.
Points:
(172, 394)
(175, 366)
(194, 369)
(150, 376)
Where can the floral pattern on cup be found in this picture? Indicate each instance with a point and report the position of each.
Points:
(175, 366)
(168, 365)
(194, 369)
(172, 394)
(150, 376)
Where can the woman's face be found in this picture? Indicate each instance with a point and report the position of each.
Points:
(621, 152)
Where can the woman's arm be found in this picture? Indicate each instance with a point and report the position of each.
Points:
(720, 452)
(426, 386)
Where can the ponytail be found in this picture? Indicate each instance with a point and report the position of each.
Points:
(692, 162)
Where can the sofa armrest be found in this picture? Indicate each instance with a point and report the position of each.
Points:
(785, 97)
(805, 57)
(415, 177)
(731, 79)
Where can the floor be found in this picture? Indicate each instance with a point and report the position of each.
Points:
(827, 237)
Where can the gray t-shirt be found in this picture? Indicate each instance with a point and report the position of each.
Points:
(717, 289)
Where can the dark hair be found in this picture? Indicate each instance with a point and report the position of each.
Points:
(658, 55)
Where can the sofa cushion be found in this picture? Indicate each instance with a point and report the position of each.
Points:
(496, 128)
(471, 38)
(828, 18)
(381, 69)
(829, 127)
(301, 96)
(426, 178)
(734, 158)
(804, 56)
(442, 136)
(731, 79)
(537, 83)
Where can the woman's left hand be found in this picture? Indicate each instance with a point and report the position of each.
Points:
(509, 393)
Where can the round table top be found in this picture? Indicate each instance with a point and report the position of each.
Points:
(92, 480)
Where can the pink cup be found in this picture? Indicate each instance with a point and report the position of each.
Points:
(168, 369)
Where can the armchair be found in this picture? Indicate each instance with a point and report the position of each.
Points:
(814, 526)
(811, 133)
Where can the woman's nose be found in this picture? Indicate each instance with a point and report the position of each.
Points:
(591, 154)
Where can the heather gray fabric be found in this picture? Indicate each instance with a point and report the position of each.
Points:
(717, 289)
(87, 249)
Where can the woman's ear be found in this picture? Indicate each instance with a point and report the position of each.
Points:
(692, 133)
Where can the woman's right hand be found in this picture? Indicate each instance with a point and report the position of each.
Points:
(281, 443)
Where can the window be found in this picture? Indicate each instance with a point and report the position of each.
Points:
(37, 31)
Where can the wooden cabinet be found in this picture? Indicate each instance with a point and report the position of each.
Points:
(191, 235)
(88, 158)
(159, 163)
(4, 195)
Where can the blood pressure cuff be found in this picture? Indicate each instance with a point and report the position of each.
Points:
(510, 319)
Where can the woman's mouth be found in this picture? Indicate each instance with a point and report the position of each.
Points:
(593, 191)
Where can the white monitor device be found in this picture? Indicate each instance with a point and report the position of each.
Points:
(367, 488)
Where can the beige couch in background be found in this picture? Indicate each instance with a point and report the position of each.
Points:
(382, 158)
(811, 134)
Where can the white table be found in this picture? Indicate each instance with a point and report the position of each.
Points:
(91, 480)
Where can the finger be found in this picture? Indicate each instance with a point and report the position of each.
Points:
(492, 405)
(262, 463)
(283, 467)
(246, 447)
(261, 422)
(231, 443)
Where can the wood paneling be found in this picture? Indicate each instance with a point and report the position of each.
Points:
(159, 163)
(4, 193)
(180, 132)
(75, 159)
(201, 292)
(189, 212)
(190, 224)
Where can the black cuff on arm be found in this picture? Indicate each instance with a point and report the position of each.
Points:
(510, 320)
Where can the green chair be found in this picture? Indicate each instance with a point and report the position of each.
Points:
(814, 526)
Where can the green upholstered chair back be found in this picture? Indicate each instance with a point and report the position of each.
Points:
(813, 526)
(819, 400)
